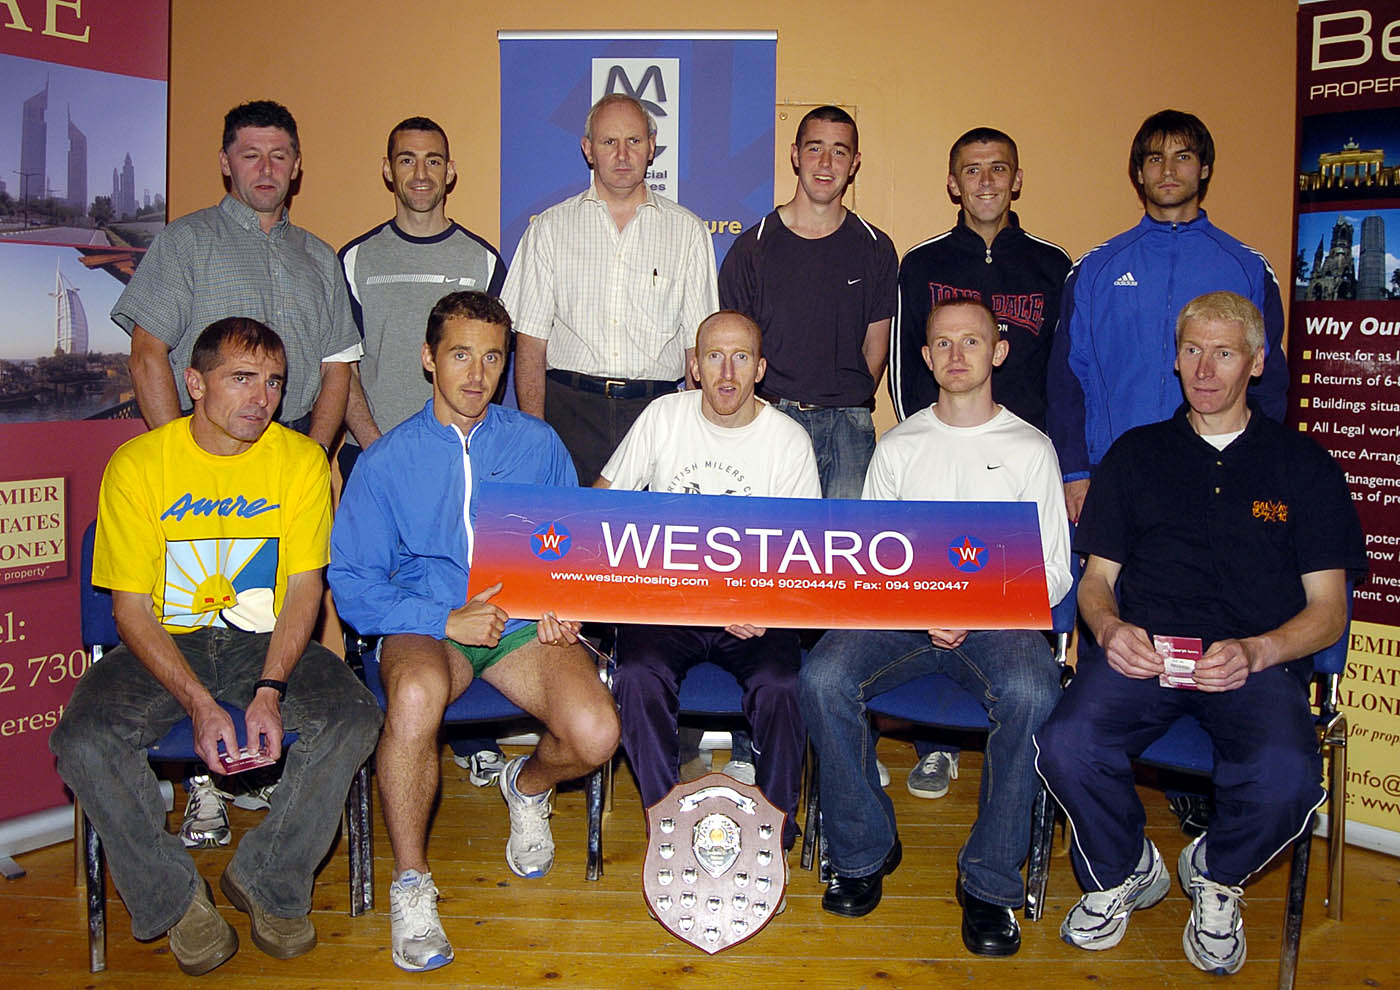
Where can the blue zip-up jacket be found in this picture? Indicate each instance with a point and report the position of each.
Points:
(401, 546)
(1112, 361)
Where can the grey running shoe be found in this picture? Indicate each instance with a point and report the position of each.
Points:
(419, 942)
(206, 819)
(530, 848)
(1100, 918)
(929, 778)
(1214, 935)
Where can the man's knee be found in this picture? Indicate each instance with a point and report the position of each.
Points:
(417, 681)
(1060, 746)
(592, 731)
(824, 675)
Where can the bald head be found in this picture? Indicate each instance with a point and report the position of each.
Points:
(729, 320)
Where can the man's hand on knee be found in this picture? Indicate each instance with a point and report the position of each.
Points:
(478, 622)
(745, 630)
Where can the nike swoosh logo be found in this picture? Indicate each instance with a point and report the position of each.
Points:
(852, 281)
(993, 467)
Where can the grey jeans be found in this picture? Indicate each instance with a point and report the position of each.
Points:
(118, 709)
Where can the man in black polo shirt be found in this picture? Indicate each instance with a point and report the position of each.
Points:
(1220, 524)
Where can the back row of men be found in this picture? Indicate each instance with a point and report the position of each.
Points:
(813, 312)
(608, 287)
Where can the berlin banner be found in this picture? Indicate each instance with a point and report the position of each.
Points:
(711, 93)
(1344, 352)
(615, 556)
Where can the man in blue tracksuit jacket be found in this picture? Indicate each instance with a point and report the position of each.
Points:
(1111, 364)
(401, 549)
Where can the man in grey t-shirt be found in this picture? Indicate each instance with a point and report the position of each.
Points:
(243, 257)
(398, 271)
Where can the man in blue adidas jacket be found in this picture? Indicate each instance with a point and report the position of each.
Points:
(401, 549)
(1111, 364)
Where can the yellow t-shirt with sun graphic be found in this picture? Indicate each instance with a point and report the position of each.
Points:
(212, 539)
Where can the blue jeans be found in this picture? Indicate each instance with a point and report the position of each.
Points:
(1012, 671)
(1267, 775)
(118, 709)
(843, 439)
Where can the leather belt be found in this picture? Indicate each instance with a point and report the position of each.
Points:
(613, 388)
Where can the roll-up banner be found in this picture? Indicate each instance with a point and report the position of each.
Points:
(712, 94)
(1344, 352)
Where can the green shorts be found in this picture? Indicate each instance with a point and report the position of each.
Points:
(481, 657)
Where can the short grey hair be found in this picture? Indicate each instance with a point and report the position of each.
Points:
(614, 98)
(1225, 307)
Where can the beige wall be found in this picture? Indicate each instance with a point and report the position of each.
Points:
(1070, 81)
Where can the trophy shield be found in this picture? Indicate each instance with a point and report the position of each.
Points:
(714, 873)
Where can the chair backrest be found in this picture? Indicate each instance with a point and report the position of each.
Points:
(99, 628)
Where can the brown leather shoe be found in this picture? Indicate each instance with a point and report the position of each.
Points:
(202, 939)
(281, 938)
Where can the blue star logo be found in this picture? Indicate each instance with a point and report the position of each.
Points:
(550, 542)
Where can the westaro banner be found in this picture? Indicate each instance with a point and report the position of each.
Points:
(618, 556)
(1344, 352)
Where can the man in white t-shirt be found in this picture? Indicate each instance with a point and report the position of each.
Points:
(965, 447)
(718, 440)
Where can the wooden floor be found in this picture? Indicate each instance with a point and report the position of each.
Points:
(565, 932)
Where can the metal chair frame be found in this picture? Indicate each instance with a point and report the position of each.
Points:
(99, 630)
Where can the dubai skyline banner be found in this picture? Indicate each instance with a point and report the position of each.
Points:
(618, 556)
(711, 93)
(1344, 352)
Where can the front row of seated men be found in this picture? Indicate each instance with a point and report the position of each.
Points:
(212, 532)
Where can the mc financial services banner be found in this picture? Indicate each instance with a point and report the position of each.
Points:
(1344, 352)
(616, 556)
(711, 93)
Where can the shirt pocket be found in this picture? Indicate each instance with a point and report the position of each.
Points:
(652, 302)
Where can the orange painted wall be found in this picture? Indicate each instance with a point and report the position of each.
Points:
(1070, 81)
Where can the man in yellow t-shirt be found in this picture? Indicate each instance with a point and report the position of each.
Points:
(212, 532)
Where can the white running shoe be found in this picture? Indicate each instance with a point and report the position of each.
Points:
(530, 848)
(1100, 918)
(416, 934)
(205, 825)
(483, 767)
(741, 770)
(1214, 935)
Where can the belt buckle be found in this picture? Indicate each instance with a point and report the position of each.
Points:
(808, 407)
(608, 387)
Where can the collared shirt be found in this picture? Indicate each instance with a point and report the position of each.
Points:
(216, 263)
(615, 304)
(1213, 543)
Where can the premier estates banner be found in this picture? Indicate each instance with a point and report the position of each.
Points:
(1344, 352)
(712, 94)
(615, 556)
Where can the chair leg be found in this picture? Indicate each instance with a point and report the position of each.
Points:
(1043, 815)
(360, 840)
(79, 852)
(96, 875)
(811, 834)
(594, 788)
(1293, 911)
(1336, 741)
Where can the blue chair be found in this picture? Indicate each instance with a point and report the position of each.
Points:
(1185, 747)
(707, 690)
(480, 702)
(99, 631)
(939, 701)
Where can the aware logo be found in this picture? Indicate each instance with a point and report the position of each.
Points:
(551, 541)
(967, 553)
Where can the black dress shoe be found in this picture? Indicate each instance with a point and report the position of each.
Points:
(855, 897)
(988, 929)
